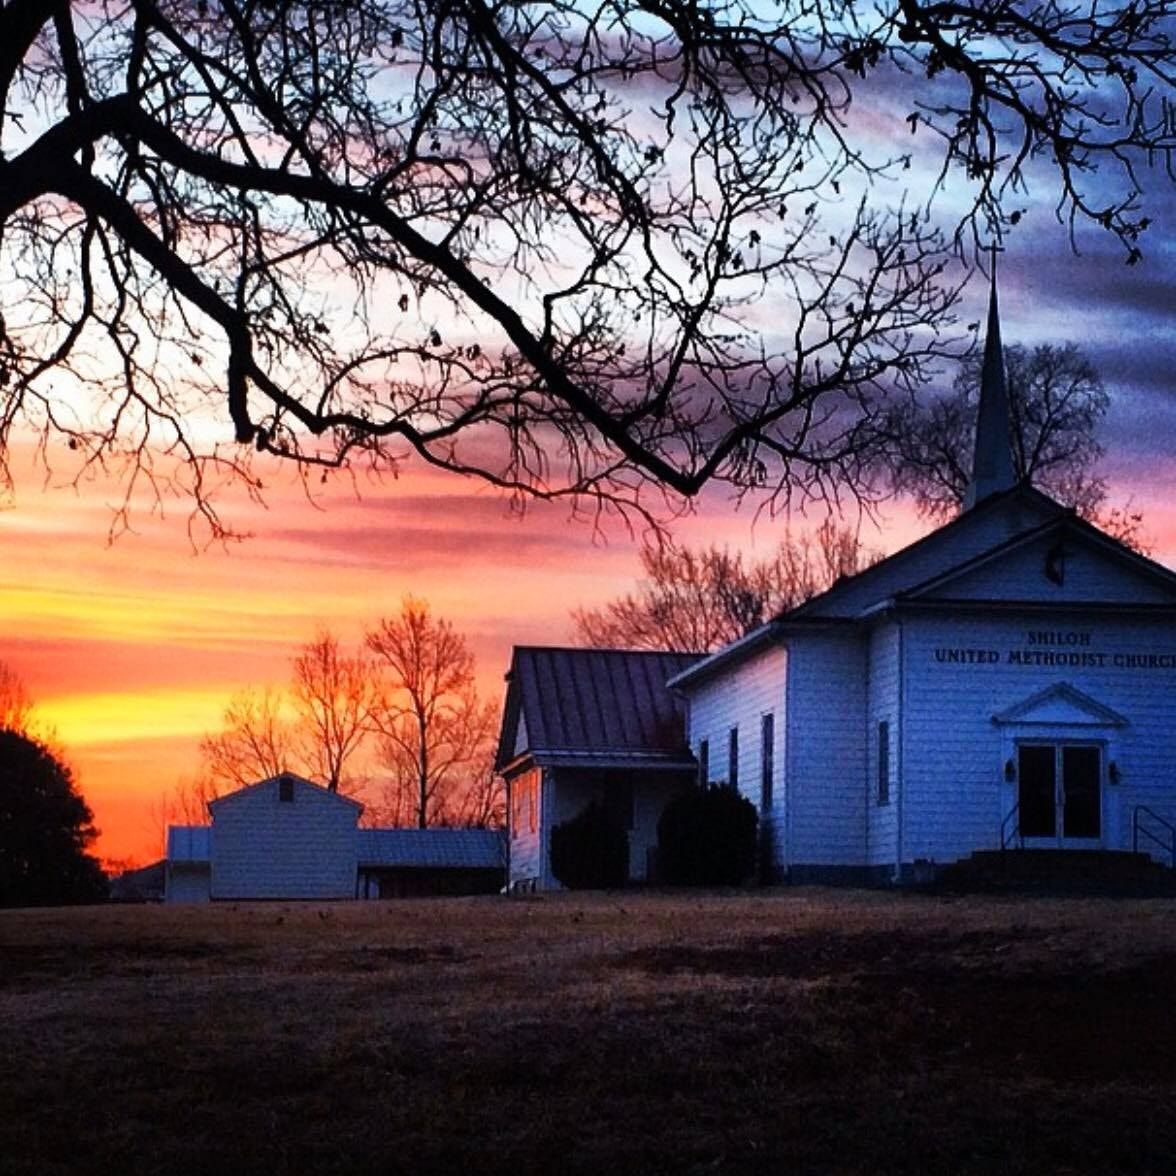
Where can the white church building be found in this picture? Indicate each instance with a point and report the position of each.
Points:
(1007, 681)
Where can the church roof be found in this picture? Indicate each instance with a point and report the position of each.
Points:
(992, 523)
(593, 708)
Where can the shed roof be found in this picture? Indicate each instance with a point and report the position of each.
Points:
(422, 848)
(594, 706)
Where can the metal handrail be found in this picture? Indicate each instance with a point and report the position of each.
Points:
(1138, 828)
(1007, 835)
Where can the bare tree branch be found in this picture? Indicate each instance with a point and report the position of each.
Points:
(532, 244)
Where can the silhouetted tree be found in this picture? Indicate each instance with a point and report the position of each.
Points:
(694, 600)
(45, 828)
(436, 733)
(16, 707)
(529, 242)
(1056, 403)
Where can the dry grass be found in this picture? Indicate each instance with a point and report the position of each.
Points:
(776, 1032)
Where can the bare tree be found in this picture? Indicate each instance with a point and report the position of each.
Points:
(1056, 402)
(696, 600)
(335, 695)
(436, 732)
(315, 728)
(255, 742)
(527, 242)
(16, 707)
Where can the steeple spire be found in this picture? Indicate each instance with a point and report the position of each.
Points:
(992, 461)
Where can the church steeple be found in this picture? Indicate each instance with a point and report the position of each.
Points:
(992, 461)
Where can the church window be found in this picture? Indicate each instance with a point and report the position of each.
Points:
(733, 758)
(767, 759)
(884, 762)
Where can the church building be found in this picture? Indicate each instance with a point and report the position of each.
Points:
(1008, 680)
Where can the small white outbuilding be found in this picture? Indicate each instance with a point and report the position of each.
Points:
(288, 838)
(284, 837)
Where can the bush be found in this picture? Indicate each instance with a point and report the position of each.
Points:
(591, 851)
(707, 837)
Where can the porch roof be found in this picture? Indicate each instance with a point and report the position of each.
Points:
(594, 708)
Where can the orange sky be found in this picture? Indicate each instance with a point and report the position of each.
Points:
(132, 649)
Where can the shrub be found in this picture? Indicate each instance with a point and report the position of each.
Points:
(707, 837)
(591, 851)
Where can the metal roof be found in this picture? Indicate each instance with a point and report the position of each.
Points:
(420, 848)
(1001, 516)
(189, 843)
(602, 703)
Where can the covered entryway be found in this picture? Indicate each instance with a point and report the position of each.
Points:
(1059, 794)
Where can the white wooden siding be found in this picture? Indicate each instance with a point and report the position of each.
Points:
(956, 793)
(827, 678)
(741, 697)
(1088, 573)
(266, 848)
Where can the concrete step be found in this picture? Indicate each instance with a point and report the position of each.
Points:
(1111, 872)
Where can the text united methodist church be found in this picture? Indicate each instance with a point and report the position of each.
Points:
(1008, 680)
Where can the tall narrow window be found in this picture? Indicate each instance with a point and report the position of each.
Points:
(884, 762)
(524, 793)
(767, 760)
(285, 790)
(517, 800)
(733, 758)
(703, 763)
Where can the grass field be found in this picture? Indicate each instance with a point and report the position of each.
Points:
(777, 1032)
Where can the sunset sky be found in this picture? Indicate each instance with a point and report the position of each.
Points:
(132, 648)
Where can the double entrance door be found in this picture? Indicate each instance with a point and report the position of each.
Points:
(1059, 793)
